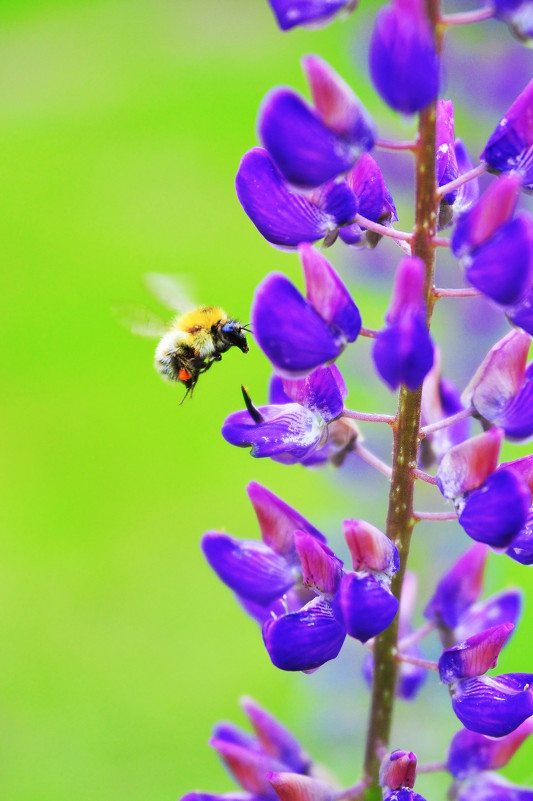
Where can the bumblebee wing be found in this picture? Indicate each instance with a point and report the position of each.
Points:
(141, 321)
(173, 291)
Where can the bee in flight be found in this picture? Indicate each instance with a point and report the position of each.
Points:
(194, 340)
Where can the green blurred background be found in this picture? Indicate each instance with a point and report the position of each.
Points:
(122, 125)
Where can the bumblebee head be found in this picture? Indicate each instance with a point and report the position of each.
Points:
(231, 333)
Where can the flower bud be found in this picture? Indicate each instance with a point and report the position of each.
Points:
(398, 770)
(404, 64)
(295, 787)
(403, 351)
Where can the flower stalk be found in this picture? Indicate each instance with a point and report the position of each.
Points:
(400, 516)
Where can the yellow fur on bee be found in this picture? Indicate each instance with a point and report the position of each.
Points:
(203, 317)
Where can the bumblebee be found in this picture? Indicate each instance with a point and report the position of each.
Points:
(194, 340)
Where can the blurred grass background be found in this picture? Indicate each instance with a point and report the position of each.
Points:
(122, 125)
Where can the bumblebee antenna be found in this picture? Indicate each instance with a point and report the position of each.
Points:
(253, 411)
(247, 328)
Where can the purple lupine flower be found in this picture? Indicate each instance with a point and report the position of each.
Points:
(510, 146)
(495, 705)
(471, 753)
(364, 601)
(501, 391)
(313, 145)
(374, 202)
(494, 208)
(404, 64)
(440, 399)
(286, 217)
(459, 588)
(250, 759)
(497, 511)
(405, 794)
(492, 502)
(290, 13)
(299, 629)
(492, 787)
(298, 431)
(403, 351)
(512, 245)
(300, 334)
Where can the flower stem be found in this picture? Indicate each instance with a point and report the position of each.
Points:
(465, 292)
(394, 144)
(368, 417)
(462, 179)
(373, 460)
(400, 519)
(384, 230)
(434, 516)
(468, 17)
(431, 767)
(418, 661)
(424, 476)
(446, 421)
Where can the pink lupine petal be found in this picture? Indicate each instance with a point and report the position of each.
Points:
(467, 465)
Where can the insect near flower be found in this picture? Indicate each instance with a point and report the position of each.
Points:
(194, 340)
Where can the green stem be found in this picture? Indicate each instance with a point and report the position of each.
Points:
(400, 517)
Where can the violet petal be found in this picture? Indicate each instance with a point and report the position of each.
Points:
(275, 738)
(403, 351)
(288, 329)
(290, 13)
(283, 217)
(521, 548)
(512, 246)
(458, 588)
(249, 568)
(323, 392)
(494, 705)
(495, 512)
(306, 639)
(365, 605)
(306, 151)
(510, 146)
